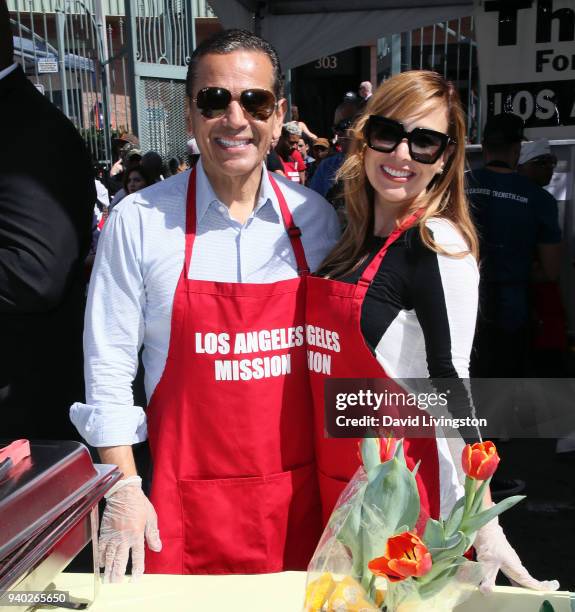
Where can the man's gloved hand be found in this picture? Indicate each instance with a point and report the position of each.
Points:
(128, 518)
(495, 552)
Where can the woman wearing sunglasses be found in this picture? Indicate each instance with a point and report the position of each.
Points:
(399, 291)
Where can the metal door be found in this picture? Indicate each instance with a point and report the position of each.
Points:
(163, 38)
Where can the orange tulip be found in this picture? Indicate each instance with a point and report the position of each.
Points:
(480, 460)
(405, 555)
(387, 448)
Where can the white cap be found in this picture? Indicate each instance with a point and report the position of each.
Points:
(533, 149)
(193, 147)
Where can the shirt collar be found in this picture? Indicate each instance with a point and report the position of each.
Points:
(206, 196)
(7, 71)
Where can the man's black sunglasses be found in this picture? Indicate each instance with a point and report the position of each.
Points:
(212, 102)
(425, 146)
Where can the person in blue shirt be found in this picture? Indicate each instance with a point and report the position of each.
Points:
(516, 220)
(324, 179)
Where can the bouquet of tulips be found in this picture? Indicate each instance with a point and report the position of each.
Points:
(371, 558)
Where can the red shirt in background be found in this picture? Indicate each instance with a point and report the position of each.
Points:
(293, 166)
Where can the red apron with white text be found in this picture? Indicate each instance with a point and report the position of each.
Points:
(335, 307)
(230, 425)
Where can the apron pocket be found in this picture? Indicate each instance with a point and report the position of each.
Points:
(238, 525)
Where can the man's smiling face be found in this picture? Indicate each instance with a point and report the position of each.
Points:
(234, 144)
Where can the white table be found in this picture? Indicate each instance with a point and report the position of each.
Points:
(258, 593)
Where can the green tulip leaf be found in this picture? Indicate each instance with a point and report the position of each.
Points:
(416, 468)
(364, 518)
(470, 488)
(437, 582)
(349, 533)
(370, 454)
(398, 452)
(453, 548)
(397, 592)
(440, 574)
(454, 519)
(434, 536)
(453, 541)
(472, 524)
(390, 502)
(479, 497)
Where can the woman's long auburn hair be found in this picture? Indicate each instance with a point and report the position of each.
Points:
(409, 94)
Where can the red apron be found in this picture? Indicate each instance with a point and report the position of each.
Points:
(335, 307)
(230, 425)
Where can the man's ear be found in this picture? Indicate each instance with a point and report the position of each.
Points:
(279, 116)
(188, 112)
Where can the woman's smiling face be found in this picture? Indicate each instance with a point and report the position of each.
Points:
(396, 178)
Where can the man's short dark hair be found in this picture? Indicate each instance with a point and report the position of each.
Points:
(502, 131)
(6, 44)
(228, 41)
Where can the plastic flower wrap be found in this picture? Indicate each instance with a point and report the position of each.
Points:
(371, 557)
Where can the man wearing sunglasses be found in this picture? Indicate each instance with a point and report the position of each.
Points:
(205, 270)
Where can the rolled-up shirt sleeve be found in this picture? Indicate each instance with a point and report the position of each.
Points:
(113, 334)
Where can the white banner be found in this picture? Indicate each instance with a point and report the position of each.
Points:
(527, 63)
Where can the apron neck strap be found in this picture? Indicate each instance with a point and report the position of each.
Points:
(190, 221)
(371, 270)
(293, 231)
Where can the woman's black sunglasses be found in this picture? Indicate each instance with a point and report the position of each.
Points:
(425, 146)
(212, 102)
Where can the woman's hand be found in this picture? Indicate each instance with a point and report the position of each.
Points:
(496, 553)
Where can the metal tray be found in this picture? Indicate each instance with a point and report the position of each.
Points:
(47, 493)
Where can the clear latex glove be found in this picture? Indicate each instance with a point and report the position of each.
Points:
(496, 553)
(128, 518)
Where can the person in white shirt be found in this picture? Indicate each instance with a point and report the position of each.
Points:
(204, 270)
(365, 91)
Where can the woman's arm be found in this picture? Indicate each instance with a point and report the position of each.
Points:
(306, 131)
(444, 291)
(445, 296)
